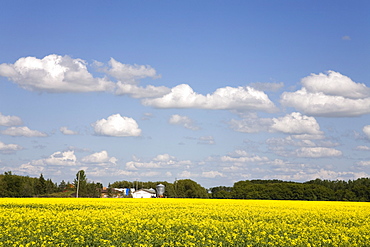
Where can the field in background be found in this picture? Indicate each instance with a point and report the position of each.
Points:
(181, 222)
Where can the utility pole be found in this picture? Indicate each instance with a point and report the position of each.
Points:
(175, 187)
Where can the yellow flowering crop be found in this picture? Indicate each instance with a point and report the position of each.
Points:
(182, 222)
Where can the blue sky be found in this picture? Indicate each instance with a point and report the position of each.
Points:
(214, 91)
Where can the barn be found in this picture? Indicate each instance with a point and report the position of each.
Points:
(144, 193)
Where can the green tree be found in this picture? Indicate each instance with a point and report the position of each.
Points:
(50, 187)
(28, 186)
(122, 184)
(62, 186)
(80, 184)
(94, 189)
(241, 190)
(187, 188)
(13, 184)
(41, 185)
(221, 192)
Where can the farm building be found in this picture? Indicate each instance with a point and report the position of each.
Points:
(144, 193)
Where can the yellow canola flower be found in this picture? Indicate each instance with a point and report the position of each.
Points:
(181, 222)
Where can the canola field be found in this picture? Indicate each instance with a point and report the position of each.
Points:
(181, 222)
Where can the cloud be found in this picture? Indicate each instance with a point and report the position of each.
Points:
(61, 74)
(267, 86)
(66, 158)
(289, 141)
(241, 156)
(30, 169)
(228, 98)
(309, 136)
(55, 164)
(160, 161)
(317, 152)
(9, 148)
(135, 91)
(10, 120)
(335, 84)
(329, 95)
(322, 174)
(184, 121)
(187, 174)
(128, 74)
(296, 123)
(211, 174)
(54, 74)
(66, 131)
(308, 149)
(116, 125)
(23, 131)
(363, 163)
(346, 37)
(366, 130)
(129, 77)
(101, 158)
(363, 148)
(163, 158)
(66, 162)
(206, 140)
(251, 123)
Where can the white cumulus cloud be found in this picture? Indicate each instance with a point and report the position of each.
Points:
(55, 74)
(363, 148)
(116, 125)
(10, 120)
(164, 158)
(363, 163)
(160, 161)
(241, 156)
(67, 158)
(329, 95)
(250, 123)
(317, 152)
(207, 140)
(67, 131)
(127, 73)
(129, 77)
(212, 174)
(99, 158)
(296, 123)
(183, 121)
(141, 92)
(336, 84)
(228, 98)
(9, 148)
(23, 131)
(289, 141)
(366, 130)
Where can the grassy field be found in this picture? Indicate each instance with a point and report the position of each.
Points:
(181, 222)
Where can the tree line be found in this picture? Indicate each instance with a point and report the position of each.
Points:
(313, 190)
(12, 185)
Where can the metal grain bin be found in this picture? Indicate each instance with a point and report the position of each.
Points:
(160, 190)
